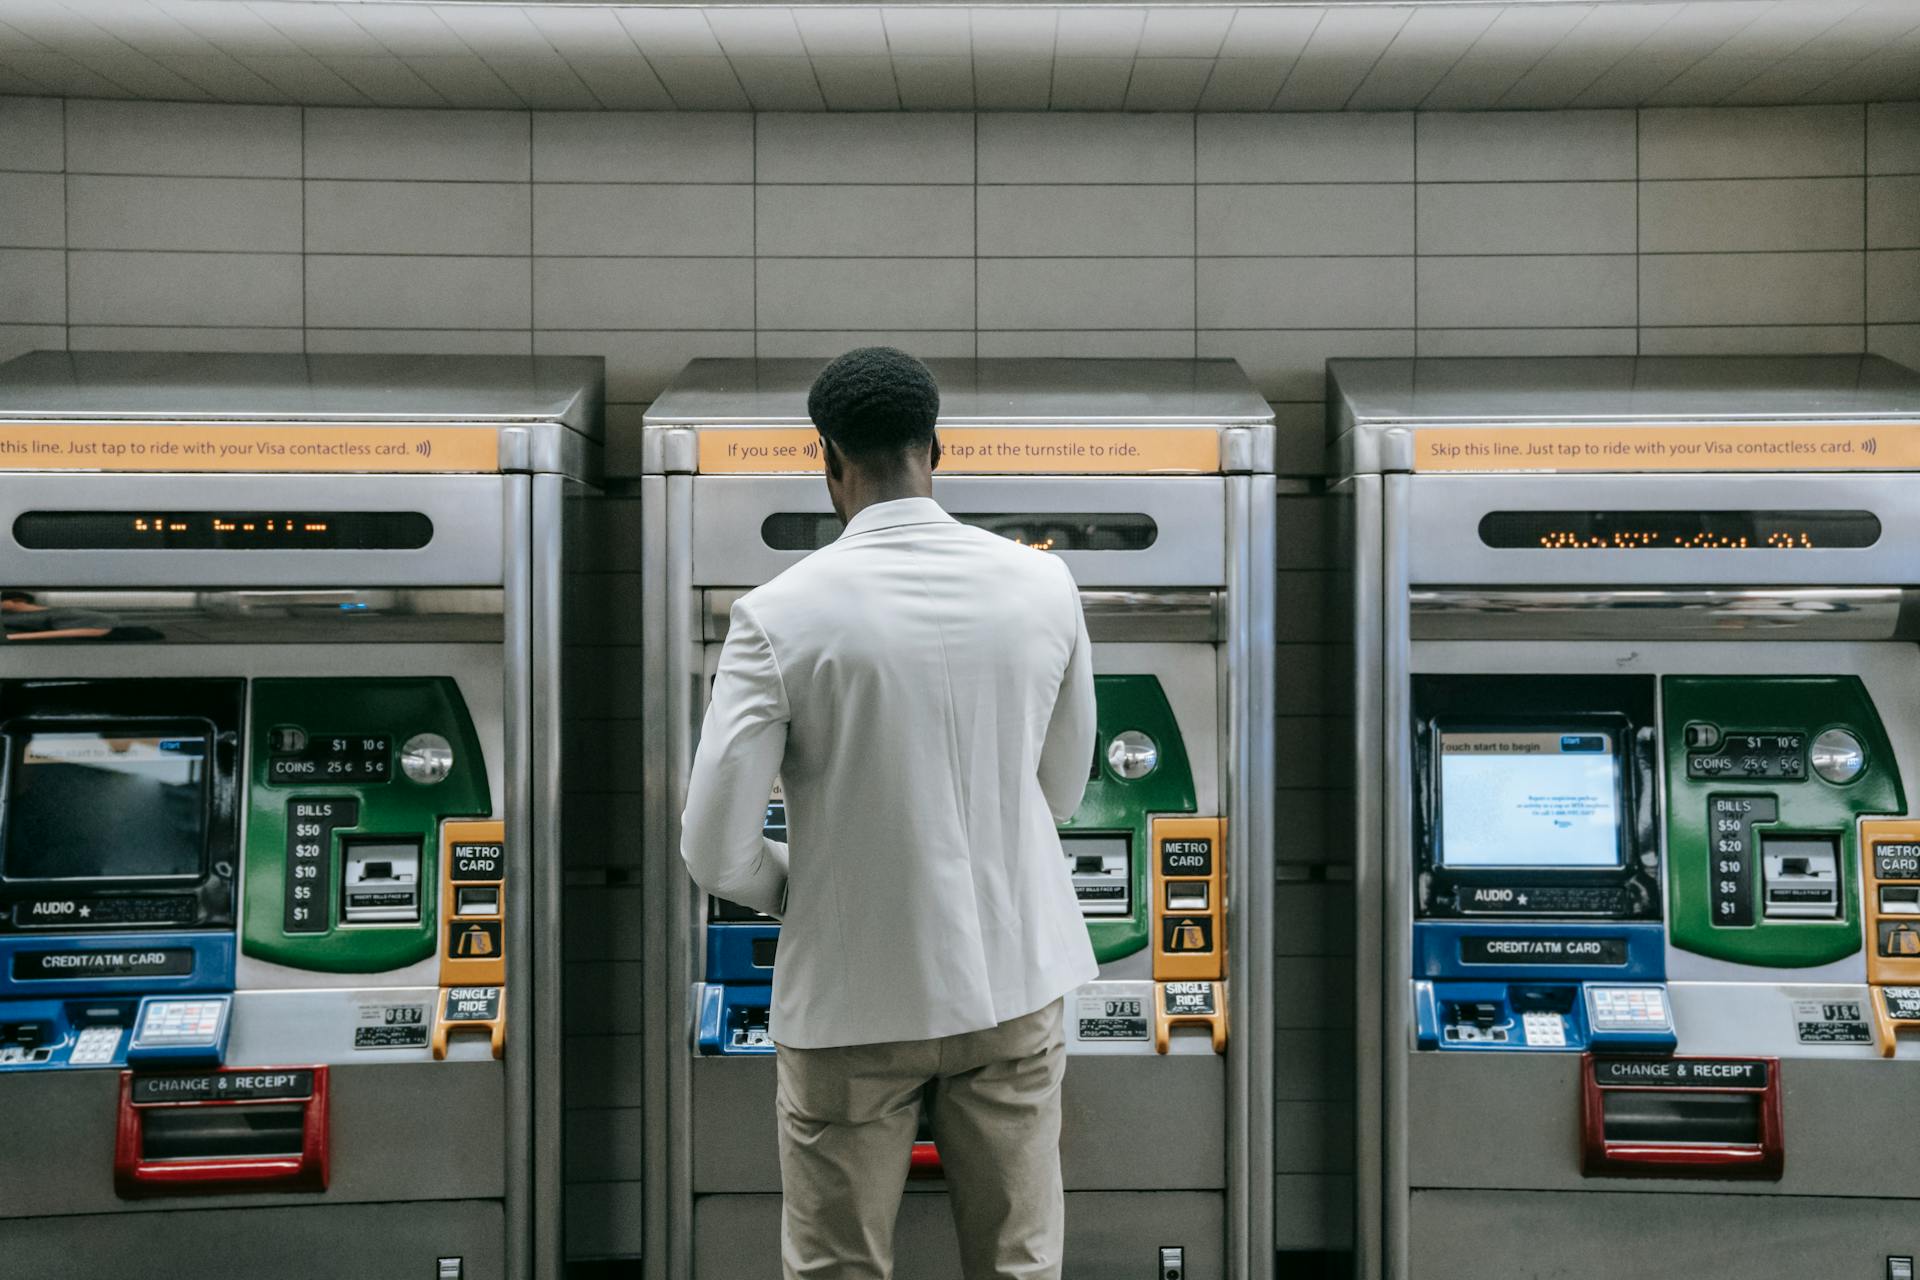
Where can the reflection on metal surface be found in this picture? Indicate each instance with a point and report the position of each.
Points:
(345, 615)
(426, 758)
(1838, 756)
(1113, 617)
(1829, 613)
(1133, 755)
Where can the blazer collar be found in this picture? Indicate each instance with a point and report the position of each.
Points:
(891, 515)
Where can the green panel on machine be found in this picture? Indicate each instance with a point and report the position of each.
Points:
(1116, 804)
(342, 844)
(1765, 780)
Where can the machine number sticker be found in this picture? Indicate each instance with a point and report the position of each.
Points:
(391, 1026)
(1903, 1003)
(1111, 1017)
(1831, 1022)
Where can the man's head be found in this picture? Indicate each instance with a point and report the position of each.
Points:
(875, 408)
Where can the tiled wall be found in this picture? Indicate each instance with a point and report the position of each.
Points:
(1279, 239)
(652, 238)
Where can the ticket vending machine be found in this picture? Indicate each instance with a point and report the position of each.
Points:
(1637, 736)
(1153, 481)
(279, 703)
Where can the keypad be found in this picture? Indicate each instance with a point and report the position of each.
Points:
(95, 1046)
(1545, 1030)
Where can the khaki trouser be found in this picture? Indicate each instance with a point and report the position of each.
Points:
(847, 1123)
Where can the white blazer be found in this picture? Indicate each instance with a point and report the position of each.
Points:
(924, 692)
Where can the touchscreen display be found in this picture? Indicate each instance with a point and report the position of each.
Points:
(86, 805)
(1529, 798)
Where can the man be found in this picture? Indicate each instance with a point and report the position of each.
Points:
(924, 691)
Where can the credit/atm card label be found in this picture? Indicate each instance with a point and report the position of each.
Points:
(231, 1086)
(1188, 999)
(1682, 1073)
(1902, 1003)
(479, 862)
(1186, 857)
(472, 1004)
(1831, 1022)
(139, 962)
(1111, 1017)
(1480, 949)
(1896, 861)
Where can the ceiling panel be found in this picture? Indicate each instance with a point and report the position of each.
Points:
(1091, 55)
(1422, 53)
(1338, 57)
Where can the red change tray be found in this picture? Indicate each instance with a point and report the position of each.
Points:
(1682, 1117)
(226, 1130)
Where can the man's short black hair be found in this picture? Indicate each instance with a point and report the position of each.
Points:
(875, 401)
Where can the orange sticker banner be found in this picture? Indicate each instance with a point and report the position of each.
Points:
(1812, 446)
(985, 450)
(257, 447)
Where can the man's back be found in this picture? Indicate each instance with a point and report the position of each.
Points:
(925, 691)
(939, 723)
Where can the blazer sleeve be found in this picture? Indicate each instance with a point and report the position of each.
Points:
(742, 743)
(1069, 745)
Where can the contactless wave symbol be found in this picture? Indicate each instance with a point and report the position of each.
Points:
(424, 448)
(811, 449)
(1871, 446)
